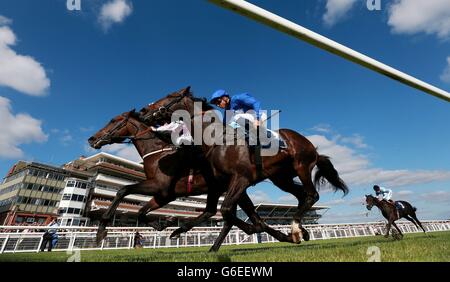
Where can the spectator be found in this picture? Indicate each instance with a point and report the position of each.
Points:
(137, 240)
(50, 236)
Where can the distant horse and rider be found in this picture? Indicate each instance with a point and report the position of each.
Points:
(391, 210)
(214, 169)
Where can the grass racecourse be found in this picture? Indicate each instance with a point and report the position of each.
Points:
(418, 247)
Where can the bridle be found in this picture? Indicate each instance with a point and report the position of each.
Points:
(372, 202)
(163, 110)
(108, 137)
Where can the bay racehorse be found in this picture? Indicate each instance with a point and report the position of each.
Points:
(234, 163)
(167, 176)
(391, 213)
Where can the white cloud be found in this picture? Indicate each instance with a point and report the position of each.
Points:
(22, 73)
(259, 196)
(114, 12)
(322, 128)
(4, 20)
(355, 140)
(334, 202)
(128, 152)
(404, 193)
(415, 16)
(336, 10)
(445, 76)
(436, 197)
(356, 168)
(16, 130)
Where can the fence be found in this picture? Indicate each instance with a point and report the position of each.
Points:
(15, 239)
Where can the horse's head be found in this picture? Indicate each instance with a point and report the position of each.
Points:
(115, 131)
(370, 201)
(161, 111)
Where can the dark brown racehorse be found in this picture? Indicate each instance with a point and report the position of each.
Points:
(235, 165)
(391, 213)
(167, 177)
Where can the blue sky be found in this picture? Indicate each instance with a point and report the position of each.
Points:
(64, 74)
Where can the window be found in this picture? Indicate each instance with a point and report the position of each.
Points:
(30, 219)
(71, 183)
(66, 197)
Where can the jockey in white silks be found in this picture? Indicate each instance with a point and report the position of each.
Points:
(179, 128)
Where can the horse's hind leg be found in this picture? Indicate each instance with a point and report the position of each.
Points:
(311, 197)
(413, 215)
(412, 220)
(398, 229)
(247, 206)
(287, 184)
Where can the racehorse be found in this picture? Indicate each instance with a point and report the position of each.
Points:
(391, 213)
(235, 162)
(166, 178)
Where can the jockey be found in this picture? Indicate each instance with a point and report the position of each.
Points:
(179, 127)
(385, 193)
(240, 104)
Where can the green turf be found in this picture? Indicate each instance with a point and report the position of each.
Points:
(414, 247)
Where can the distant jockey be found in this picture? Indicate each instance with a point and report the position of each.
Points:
(385, 193)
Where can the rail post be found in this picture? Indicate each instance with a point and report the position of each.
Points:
(4, 244)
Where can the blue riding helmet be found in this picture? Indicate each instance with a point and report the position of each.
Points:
(216, 95)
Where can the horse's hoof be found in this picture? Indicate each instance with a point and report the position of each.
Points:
(295, 238)
(296, 232)
(176, 233)
(305, 234)
(213, 250)
(101, 235)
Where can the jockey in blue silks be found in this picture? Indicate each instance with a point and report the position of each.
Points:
(240, 104)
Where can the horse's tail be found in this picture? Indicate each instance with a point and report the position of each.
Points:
(326, 170)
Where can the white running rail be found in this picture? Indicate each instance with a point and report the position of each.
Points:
(15, 239)
(265, 17)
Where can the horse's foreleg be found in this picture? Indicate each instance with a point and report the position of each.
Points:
(388, 228)
(154, 204)
(144, 188)
(210, 210)
(228, 209)
(106, 217)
